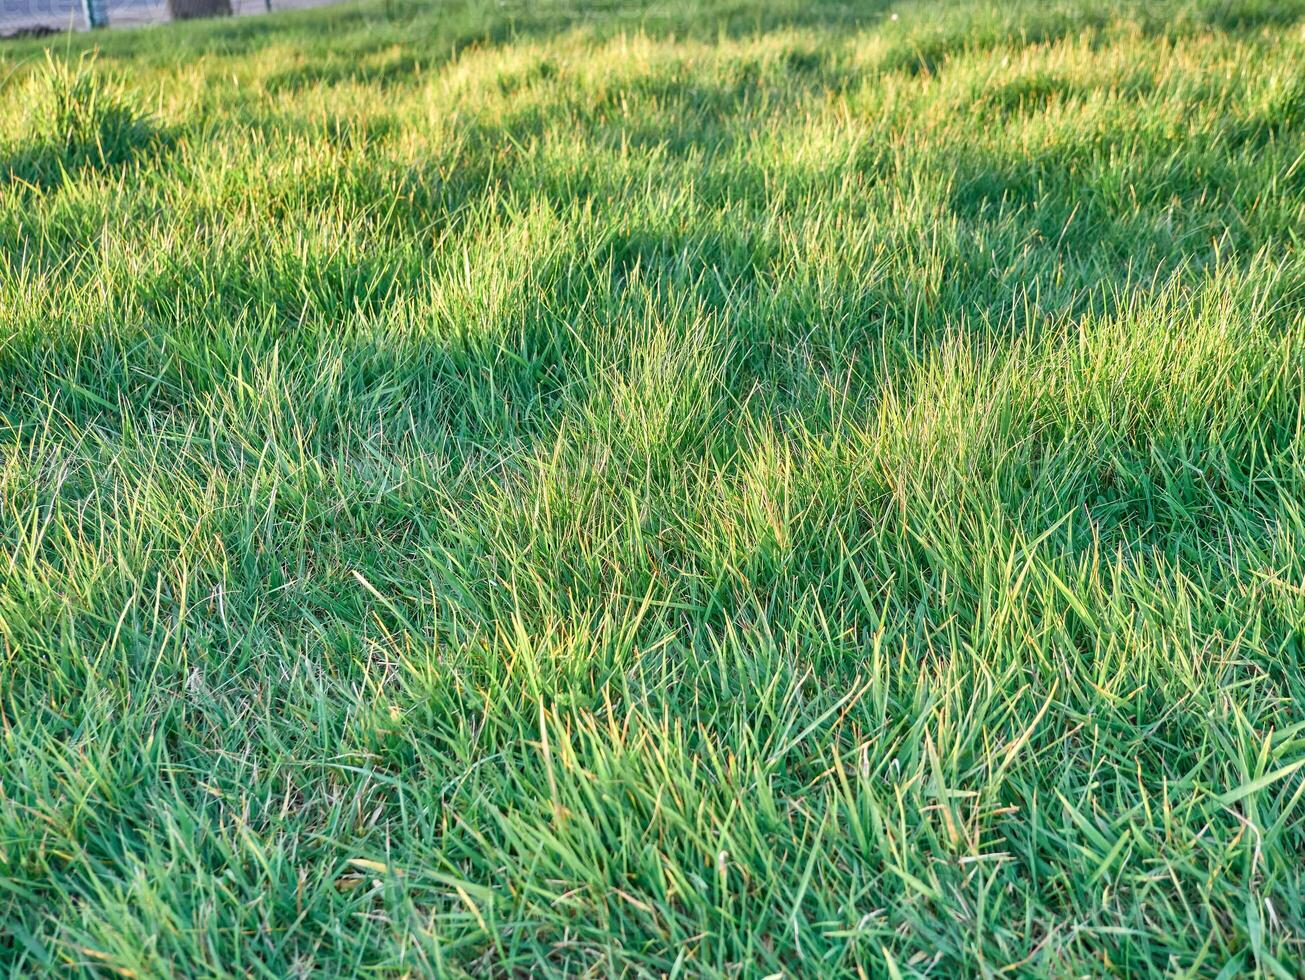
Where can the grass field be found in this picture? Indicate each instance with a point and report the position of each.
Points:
(701, 488)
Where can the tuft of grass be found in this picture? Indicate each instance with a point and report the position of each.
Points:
(688, 489)
(78, 122)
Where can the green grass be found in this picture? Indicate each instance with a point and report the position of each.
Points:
(701, 488)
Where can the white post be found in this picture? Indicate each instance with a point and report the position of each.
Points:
(93, 10)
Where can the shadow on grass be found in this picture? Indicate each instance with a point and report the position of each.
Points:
(124, 141)
(378, 70)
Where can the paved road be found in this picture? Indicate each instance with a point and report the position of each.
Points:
(60, 14)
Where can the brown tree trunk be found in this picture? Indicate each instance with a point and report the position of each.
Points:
(189, 9)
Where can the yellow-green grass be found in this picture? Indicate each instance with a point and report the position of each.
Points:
(695, 488)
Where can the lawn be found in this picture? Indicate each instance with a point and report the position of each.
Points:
(694, 488)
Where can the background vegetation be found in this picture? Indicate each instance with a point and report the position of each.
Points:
(691, 488)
